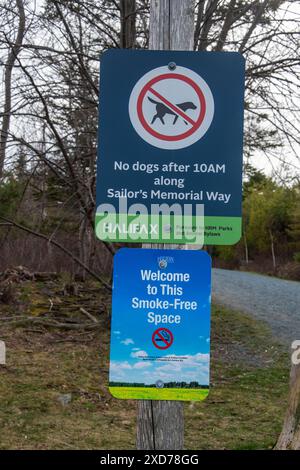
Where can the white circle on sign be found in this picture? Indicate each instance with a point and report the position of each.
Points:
(171, 109)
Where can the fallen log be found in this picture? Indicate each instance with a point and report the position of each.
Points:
(51, 323)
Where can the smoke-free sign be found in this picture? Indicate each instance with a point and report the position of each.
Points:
(170, 147)
(160, 332)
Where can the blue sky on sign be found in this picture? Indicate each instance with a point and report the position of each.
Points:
(187, 359)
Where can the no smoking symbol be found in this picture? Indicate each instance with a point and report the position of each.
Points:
(171, 110)
(162, 338)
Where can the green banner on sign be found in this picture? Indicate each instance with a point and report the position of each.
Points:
(209, 230)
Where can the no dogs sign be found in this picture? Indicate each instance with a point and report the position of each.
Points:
(170, 147)
(171, 110)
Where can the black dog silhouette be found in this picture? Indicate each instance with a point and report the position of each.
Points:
(162, 110)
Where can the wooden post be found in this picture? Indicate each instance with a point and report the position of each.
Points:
(289, 438)
(160, 424)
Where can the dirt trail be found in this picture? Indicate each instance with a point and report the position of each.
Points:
(273, 300)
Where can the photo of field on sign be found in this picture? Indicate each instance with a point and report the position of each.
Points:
(160, 338)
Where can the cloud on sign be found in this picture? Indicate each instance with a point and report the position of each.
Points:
(139, 353)
(127, 341)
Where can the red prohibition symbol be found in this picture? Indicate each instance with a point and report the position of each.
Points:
(180, 97)
(162, 338)
(149, 88)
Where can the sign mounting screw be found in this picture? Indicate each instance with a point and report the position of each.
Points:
(171, 66)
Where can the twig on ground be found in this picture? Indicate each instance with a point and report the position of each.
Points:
(88, 314)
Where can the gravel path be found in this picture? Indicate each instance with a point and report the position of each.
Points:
(273, 300)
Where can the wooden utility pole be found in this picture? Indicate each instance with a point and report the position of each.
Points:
(160, 424)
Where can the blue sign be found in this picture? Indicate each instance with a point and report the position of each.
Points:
(160, 332)
(170, 145)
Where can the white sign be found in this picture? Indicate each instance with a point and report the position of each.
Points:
(171, 109)
(2, 353)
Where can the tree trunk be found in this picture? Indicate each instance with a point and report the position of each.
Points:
(272, 249)
(160, 424)
(246, 248)
(289, 438)
(229, 19)
(128, 15)
(15, 49)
